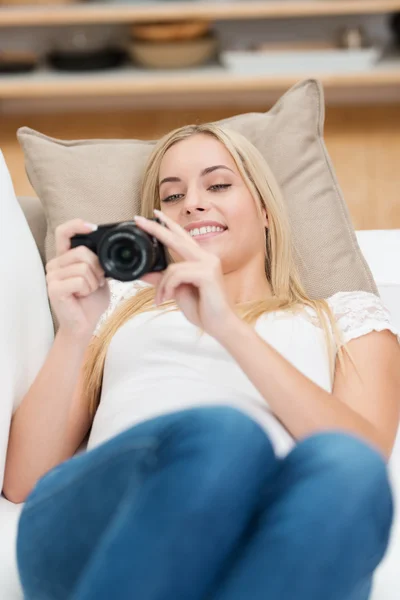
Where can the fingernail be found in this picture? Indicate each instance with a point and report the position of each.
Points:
(91, 226)
(139, 218)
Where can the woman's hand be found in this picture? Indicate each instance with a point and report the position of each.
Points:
(76, 284)
(196, 283)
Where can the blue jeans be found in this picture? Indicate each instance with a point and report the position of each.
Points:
(195, 505)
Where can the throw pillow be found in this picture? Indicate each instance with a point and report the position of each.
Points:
(99, 180)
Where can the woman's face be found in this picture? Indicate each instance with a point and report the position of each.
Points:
(202, 190)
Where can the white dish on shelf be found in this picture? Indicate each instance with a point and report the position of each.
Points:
(303, 61)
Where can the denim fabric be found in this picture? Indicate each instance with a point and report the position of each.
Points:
(194, 505)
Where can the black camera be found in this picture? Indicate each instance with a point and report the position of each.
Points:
(125, 251)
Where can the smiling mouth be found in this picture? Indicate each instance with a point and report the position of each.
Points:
(206, 232)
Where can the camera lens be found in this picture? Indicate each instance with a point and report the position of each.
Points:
(124, 254)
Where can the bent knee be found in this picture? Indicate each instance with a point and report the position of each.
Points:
(221, 433)
(354, 469)
(222, 457)
(220, 425)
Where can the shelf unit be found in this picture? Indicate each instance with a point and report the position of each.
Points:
(134, 81)
(100, 13)
(131, 81)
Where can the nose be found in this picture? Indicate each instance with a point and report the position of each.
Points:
(194, 202)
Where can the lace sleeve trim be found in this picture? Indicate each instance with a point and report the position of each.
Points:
(358, 313)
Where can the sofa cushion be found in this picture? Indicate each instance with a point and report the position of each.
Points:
(381, 249)
(36, 218)
(99, 181)
(26, 328)
(10, 585)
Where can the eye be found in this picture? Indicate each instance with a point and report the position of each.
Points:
(220, 186)
(172, 198)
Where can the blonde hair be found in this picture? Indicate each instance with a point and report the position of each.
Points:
(281, 272)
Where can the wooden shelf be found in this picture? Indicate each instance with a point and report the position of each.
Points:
(92, 13)
(135, 82)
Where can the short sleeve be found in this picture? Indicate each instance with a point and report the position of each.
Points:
(358, 313)
(119, 291)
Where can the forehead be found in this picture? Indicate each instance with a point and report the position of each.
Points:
(193, 155)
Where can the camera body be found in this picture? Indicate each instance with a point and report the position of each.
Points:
(125, 251)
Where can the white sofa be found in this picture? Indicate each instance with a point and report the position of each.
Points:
(382, 251)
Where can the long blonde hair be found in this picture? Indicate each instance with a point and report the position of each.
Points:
(281, 272)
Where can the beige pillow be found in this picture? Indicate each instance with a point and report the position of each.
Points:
(99, 181)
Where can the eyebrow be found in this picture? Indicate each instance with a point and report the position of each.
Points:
(205, 171)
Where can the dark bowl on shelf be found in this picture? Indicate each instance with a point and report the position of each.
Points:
(7, 68)
(108, 58)
(18, 60)
(395, 26)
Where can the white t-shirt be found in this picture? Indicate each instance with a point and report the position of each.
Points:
(158, 362)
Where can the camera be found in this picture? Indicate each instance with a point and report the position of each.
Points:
(125, 251)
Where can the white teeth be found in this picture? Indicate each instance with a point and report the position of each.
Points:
(204, 230)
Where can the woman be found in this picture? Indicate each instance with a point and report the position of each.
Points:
(230, 456)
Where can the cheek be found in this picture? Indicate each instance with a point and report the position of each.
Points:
(244, 220)
(249, 238)
(171, 209)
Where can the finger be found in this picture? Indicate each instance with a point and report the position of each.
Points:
(188, 273)
(159, 288)
(161, 284)
(76, 255)
(66, 231)
(64, 289)
(77, 270)
(170, 284)
(172, 225)
(173, 283)
(184, 246)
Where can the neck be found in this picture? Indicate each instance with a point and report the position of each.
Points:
(246, 284)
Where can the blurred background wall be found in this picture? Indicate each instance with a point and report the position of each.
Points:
(137, 69)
